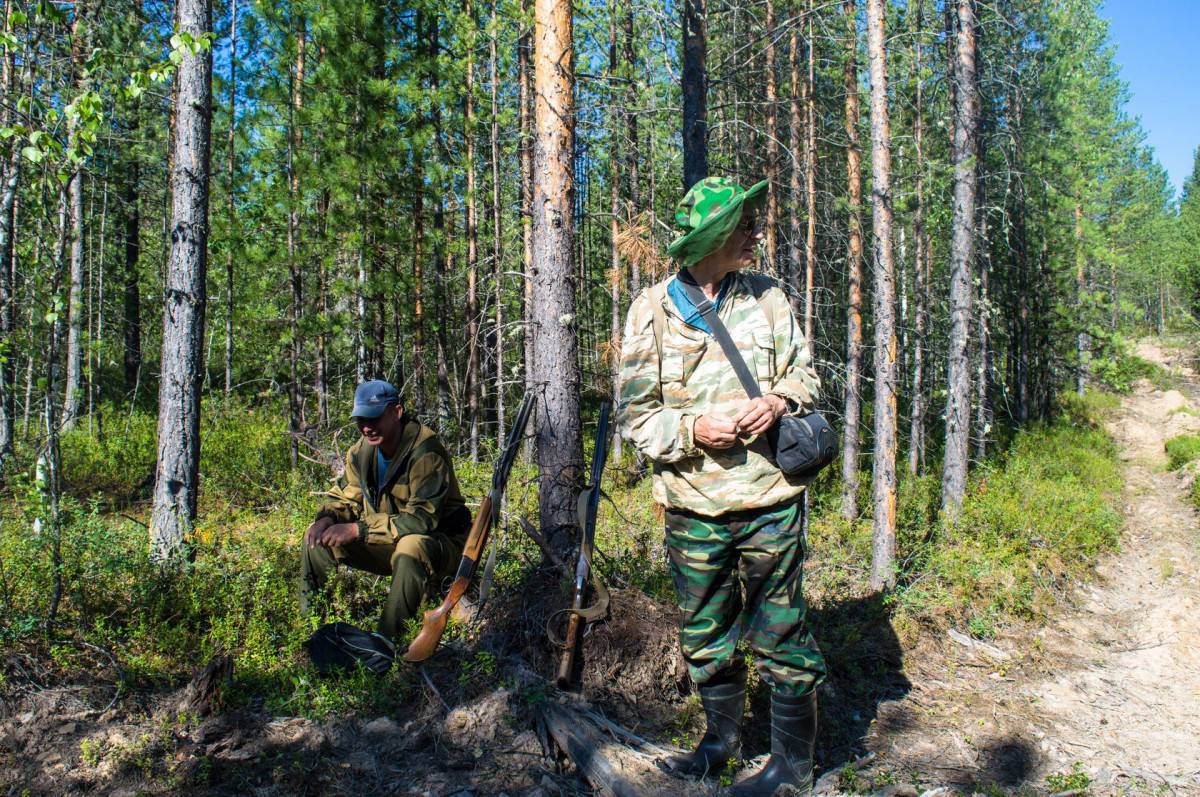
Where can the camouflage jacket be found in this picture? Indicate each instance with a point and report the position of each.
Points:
(666, 385)
(419, 491)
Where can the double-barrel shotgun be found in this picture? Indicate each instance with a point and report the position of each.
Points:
(435, 620)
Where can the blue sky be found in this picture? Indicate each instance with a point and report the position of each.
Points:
(1158, 43)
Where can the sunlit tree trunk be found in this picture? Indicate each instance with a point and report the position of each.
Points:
(556, 366)
(883, 548)
(854, 273)
(231, 164)
(178, 469)
(296, 277)
(80, 35)
(472, 224)
(497, 249)
(810, 181)
(772, 128)
(921, 255)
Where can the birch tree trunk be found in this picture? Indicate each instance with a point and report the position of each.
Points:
(854, 273)
(10, 173)
(556, 366)
(883, 548)
(695, 93)
(178, 467)
(962, 253)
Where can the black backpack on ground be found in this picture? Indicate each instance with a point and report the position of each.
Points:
(341, 646)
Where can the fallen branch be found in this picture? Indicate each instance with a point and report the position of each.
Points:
(974, 645)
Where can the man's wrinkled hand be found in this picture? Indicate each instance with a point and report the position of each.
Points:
(760, 414)
(715, 430)
(312, 537)
(339, 534)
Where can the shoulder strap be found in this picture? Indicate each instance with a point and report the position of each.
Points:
(720, 333)
(656, 298)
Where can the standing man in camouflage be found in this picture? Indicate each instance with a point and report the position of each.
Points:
(734, 520)
(396, 511)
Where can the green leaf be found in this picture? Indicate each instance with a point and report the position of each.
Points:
(32, 154)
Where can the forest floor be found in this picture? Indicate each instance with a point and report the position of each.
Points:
(1100, 699)
(1105, 696)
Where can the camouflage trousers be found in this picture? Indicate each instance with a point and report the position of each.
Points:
(760, 553)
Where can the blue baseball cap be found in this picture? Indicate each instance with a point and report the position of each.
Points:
(372, 398)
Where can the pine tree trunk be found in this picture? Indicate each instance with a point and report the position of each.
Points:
(616, 112)
(916, 431)
(632, 151)
(233, 237)
(525, 99)
(418, 268)
(772, 128)
(1082, 344)
(178, 469)
(131, 317)
(555, 324)
(497, 249)
(321, 385)
(810, 182)
(695, 93)
(854, 273)
(962, 253)
(790, 272)
(883, 548)
(296, 277)
(472, 224)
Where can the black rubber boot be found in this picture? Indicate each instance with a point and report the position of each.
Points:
(793, 737)
(724, 704)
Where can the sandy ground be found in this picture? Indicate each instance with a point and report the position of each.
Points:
(1111, 686)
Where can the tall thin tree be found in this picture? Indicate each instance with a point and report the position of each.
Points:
(695, 92)
(883, 548)
(556, 366)
(854, 272)
(177, 472)
(962, 253)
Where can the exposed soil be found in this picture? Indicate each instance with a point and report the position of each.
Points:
(1111, 685)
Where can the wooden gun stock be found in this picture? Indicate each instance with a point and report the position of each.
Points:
(434, 624)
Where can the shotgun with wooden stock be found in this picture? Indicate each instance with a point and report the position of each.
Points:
(435, 620)
(589, 503)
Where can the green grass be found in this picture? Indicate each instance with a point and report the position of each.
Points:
(1034, 514)
(1182, 449)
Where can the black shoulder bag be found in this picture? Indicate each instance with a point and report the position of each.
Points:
(801, 445)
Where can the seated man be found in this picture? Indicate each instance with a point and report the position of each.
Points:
(397, 510)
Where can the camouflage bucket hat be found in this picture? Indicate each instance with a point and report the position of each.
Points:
(708, 213)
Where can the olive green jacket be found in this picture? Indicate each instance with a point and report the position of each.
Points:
(420, 491)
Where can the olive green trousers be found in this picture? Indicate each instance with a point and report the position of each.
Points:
(417, 564)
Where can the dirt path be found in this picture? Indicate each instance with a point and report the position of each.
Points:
(1111, 687)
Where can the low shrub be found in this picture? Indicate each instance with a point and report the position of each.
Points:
(1182, 449)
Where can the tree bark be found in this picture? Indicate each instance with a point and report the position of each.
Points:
(10, 173)
(80, 34)
(883, 549)
(810, 182)
(233, 236)
(695, 93)
(854, 273)
(497, 230)
(790, 272)
(525, 99)
(616, 112)
(472, 224)
(921, 258)
(178, 468)
(962, 253)
(772, 128)
(555, 324)
(131, 322)
(296, 276)
(1082, 344)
